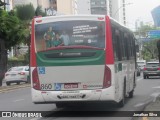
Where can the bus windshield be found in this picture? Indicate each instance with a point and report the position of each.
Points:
(70, 33)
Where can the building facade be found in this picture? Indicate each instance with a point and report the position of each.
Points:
(114, 8)
(156, 16)
(67, 7)
(100, 7)
(21, 2)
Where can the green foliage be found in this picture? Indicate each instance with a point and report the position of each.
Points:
(10, 30)
(150, 50)
(39, 11)
(16, 62)
(25, 12)
(143, 30)
(14, 25)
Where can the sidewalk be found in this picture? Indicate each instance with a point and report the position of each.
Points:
(153, 107)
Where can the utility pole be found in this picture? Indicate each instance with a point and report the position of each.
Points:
(158, 46)
(3, 4)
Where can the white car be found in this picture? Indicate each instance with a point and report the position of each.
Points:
(141, 64)
(17, 75)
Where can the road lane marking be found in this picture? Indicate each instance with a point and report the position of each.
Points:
(18, 100)
(139, 104)
(156, 87)
(155, 96)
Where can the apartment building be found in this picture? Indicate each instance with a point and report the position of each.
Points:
(51, 7)
(56, 7)
(93, 7)
(67, 6)
(114, 8)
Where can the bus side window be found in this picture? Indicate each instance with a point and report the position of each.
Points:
(122, 44)
(133, 46)
(114, 43)
(126, 45)
(118, 45)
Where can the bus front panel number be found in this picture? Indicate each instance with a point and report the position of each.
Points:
(46, 86)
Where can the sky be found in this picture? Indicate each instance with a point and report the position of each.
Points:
(140, 10)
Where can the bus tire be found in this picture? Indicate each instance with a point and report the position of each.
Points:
(8, 83)
(122, 102)
(131, 94)
(18, 83)
(0, 83)
(60, 105)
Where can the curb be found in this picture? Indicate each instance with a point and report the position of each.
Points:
(4, 89)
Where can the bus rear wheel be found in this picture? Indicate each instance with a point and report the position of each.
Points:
(8, 83)
(131, 94)
(60, 105)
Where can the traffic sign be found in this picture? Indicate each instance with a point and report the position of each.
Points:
(154, 34)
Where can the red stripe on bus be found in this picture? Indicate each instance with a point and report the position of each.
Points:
(32, 48)
(109, 46)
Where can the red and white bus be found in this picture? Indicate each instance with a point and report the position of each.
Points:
(81, 58)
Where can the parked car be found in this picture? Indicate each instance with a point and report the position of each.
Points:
(141, 64)
(17, 75)
(151, 69)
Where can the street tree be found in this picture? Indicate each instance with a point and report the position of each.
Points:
(11, 30)
(149, 50)
(25, 12)
(39, 11)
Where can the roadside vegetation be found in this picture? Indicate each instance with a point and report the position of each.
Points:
(149, 47)
(15, 26)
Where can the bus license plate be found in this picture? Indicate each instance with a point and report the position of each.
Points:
(70, 85)
(71, 96)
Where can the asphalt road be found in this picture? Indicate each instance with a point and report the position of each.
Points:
(20, 100)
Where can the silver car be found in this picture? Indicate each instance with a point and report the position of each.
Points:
(151, 69)
(17, 75)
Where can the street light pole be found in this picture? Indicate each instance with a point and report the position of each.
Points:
(120, 8)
